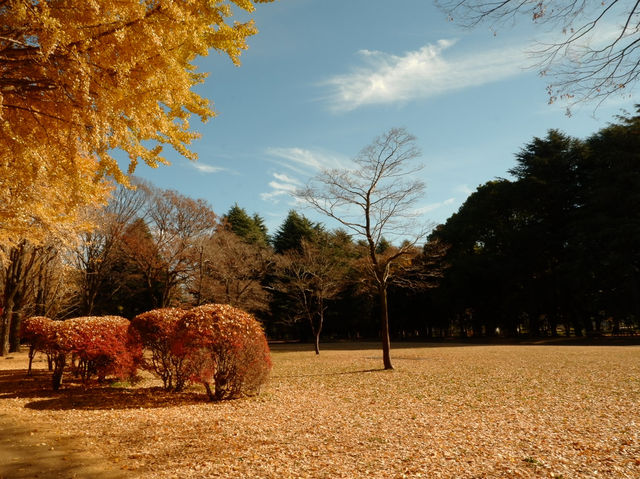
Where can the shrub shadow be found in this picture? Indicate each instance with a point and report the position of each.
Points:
(16, 384)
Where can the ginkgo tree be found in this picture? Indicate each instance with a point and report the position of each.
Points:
(80, 79)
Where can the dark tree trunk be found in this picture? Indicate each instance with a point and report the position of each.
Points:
(4, 335)
(5, 328)
(384, 327)
(14, 332)
(32, 353)
(58, 370)
(317, 342)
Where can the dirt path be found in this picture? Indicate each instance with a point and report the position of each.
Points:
(27, 453)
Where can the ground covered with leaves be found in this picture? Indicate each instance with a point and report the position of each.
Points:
(445, 412)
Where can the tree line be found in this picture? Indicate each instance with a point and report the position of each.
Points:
(153, 248)
(555, 249)
(552, 250)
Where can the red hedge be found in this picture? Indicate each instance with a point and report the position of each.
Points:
(39, 332)
(93, 345)
(227, 349)
(217, 345)
(158, 330)
(103, 345)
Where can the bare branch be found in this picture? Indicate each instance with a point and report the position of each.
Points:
(592, 61)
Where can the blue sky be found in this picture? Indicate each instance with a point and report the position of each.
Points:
(322, 78)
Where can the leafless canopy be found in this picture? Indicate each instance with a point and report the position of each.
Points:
(377, 198)
(597, 54)
(376, 201)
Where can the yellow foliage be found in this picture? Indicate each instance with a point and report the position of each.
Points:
(80, 78)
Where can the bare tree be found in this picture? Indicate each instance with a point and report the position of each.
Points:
(18, 266)
(55, 291)
(176, 224)
(231, 271)
(598, 54)
(312, 276)
(375, 201)
(96, 251)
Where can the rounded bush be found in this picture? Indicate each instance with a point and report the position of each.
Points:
(158, 330)
(39, 332)
(102, 345)
(227, 349)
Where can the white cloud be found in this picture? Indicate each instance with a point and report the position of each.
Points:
(463, 189)
(418, 74)
(301, 162)
(207, 168)
(285, 186)
(286, 179)
(433, 206)
(304, 161)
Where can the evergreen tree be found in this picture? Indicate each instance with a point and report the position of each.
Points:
(293, 231)
(251, 229)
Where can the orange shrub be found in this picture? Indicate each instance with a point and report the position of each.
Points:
(39, 332)
(102, 345)
(158, 330)
(227, 349)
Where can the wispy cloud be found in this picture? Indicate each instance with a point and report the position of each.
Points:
(204, 168)
(385, 78)
(287, 179)
(463, 189)
(433, 206)
(283, 186)
(303, 161)
(301, 165)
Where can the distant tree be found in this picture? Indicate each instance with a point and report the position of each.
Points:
(176, 224)
(293, 231)
(610, 222)
(18, 267)
(375, 201)
(96, 251)
(598, 53)
(136, 274)
(249, 228)
(231, 271)
(556, 246)
(54, 286)
(312, 276)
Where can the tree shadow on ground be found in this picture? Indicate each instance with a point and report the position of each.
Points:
(27, 453)
(339, 373)
(453, 342)
(16, 384)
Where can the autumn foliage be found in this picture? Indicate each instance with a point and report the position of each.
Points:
(217, 345)
(39, 332)
(158, 330)
(227, 348)
(82, 79)
(99, 345)
(92, 346)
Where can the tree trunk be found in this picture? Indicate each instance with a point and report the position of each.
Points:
(59, 363)
(384, 327)
(4, 335)
(317, 330)
(32, 353)
(5, 329)
(14, 332)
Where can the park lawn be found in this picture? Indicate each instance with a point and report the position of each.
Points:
(444, 412)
